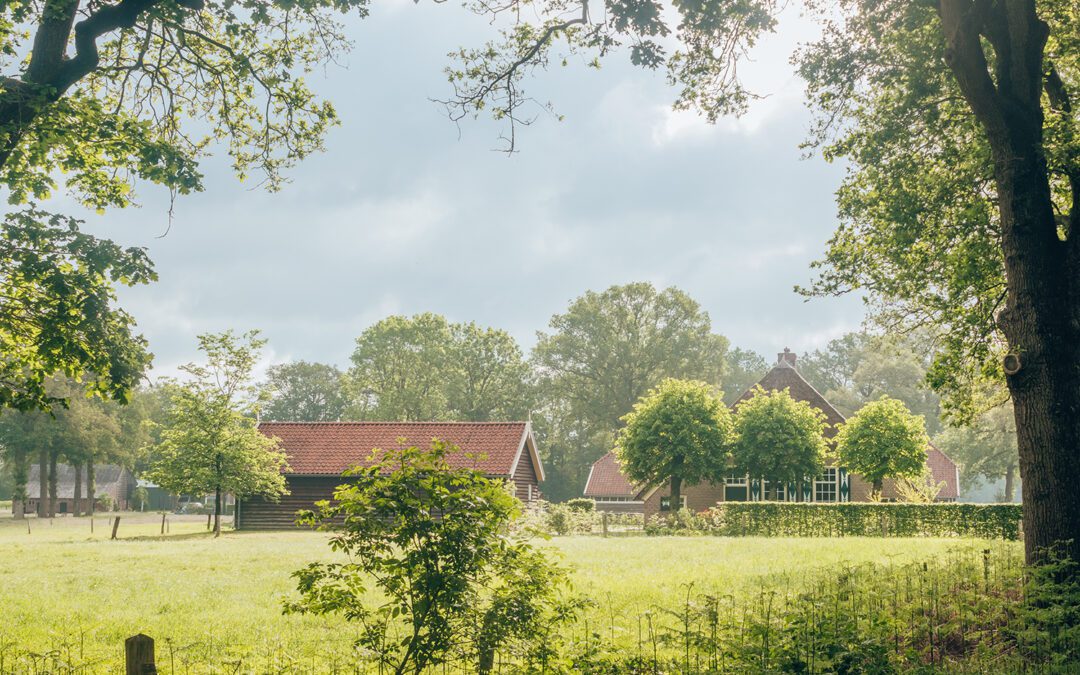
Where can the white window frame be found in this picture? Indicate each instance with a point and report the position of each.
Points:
(781, 494)
(682, 502)
(831, 481)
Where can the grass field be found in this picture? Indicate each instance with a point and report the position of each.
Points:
(75, 595)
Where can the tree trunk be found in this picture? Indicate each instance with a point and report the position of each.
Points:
(77, 494)
(878, 486)
(1010, 483)
(53, 459)
(43, 484)
(217, 512)
(1041, 318)
(91, 487)
(676, 493)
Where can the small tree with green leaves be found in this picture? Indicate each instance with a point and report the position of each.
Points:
(778, 438)
(883, 440)
(678, 432)
(210, 441)
(452, 589)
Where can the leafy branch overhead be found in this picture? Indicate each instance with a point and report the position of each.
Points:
(698, 44)
(113, 92)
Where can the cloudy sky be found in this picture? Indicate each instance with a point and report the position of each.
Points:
(407, 213)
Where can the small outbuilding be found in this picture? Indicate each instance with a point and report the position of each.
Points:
(318, 453)
(112, 484)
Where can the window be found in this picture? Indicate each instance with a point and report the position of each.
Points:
(665, 503)
(825, 486)
(736, 488)
(774, 491)
(735, 480)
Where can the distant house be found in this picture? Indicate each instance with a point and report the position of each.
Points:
(613, 492)
(114, 481)
(318, 452)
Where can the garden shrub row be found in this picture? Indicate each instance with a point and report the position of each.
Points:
(784, 519)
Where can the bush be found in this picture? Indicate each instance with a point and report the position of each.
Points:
(104, 502)
(561, 519)
(783, 519)
(581, 504)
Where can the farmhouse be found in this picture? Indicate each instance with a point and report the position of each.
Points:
(613, 492)
(318, 452)
(114, 482)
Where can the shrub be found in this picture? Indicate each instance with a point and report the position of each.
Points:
(431, 578)
(851, 519)
(581, 504)
(104, 502)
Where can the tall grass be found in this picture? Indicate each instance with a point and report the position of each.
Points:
(667, 604)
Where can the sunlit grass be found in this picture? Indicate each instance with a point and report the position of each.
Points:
(77, 594)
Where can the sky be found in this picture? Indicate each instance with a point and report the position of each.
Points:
(406, 212)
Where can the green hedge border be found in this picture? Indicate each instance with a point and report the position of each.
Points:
(860, 519)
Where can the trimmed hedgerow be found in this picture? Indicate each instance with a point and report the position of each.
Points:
(859, 519)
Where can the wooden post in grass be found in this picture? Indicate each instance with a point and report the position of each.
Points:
(139, 655)
(115, 527)
(208, 517)
(603, 523)
(163, 522)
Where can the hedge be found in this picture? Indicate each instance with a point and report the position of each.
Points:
(860, 519)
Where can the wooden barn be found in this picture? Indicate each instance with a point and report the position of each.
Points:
(318, 453)
(613, 492)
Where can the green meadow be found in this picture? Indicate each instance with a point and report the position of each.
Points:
(69, 596)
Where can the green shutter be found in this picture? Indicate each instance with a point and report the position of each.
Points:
(755, 490)
(845, 487)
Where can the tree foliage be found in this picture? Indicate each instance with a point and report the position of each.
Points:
(778, 438)
(104, 94)
(604, 353)
(210, 441)
(883, 440)
(431, 580)
(57, 311)
(985, 450)
(423, 368)
(304, 392)
(680, 433)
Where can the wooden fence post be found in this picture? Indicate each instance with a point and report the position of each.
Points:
(115, 527)
(603, 523)
(163, 522)
(139, 655)
(208, 517)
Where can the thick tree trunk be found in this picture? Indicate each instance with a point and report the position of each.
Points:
(77, 494)
(676, 493)
(91, 488)
(1041, 319)
(1010, 484)
(53, 459)
(43, 484)
(878, 486)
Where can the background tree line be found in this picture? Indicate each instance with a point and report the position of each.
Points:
(596, 359)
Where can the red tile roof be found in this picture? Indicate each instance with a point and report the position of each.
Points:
(328, 448)
(606, 480)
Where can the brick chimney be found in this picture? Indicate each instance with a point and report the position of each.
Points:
(786, 358)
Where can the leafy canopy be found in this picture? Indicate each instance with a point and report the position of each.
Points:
(883, 440)
(680, 429)
(102, 94)
(304, 392)
(424, 368)
(58, 313)
(778, 438)
(431, 578)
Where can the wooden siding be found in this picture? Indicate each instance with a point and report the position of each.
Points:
(259, 514)
(524, 476)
